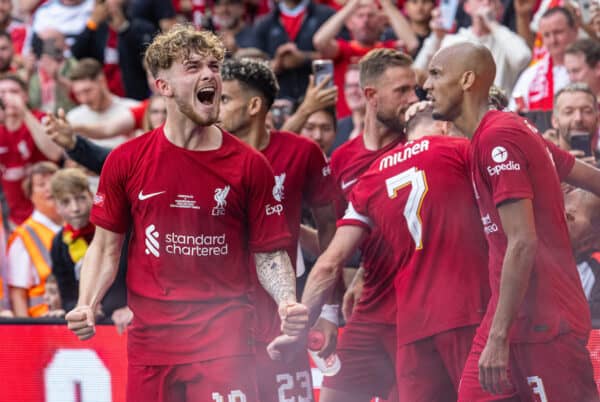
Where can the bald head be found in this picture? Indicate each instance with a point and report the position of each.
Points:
(468, 56)
(459, 80)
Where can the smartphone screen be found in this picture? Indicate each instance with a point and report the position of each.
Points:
(448, 10)
(581, 141)
(321, 69)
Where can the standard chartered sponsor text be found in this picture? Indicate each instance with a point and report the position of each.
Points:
(200, 246)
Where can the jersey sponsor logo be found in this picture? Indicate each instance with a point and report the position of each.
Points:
(346, 184)
(142, 196)
(185, 245)
(499, 154)
(220, 199)
(151, 240)
(405, 153)
(99, 199)
(273, 209)
(508, 166)
(278, 187)
(488, 225)
(185, 201)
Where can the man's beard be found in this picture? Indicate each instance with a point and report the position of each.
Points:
(392, 122)
(188, 111)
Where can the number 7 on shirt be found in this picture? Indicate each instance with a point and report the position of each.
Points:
(412, 210)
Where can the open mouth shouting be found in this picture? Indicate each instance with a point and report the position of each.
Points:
(206, 95)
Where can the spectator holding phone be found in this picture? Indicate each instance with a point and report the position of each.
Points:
(575, 119)
(509, 50)
(364, 21)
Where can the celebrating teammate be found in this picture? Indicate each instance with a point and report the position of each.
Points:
(367, 347)
(198, 200)
(302, 175)
(537, 314)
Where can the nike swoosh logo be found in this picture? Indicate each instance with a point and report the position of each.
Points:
(348, 183)
(143, 197)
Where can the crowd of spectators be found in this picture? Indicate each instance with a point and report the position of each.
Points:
(77, 65)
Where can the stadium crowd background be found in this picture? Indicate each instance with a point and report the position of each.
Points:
(84, 58)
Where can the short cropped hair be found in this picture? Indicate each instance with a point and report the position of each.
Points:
(86, 69)
(561, 10)
(572, 88)
(253, 75)
(425, 115)
(590, 49)
(69, 181)
(377, 61)
(41, 168)
(15, 78)
(178, 43)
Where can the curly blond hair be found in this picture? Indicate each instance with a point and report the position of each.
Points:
(178, 43)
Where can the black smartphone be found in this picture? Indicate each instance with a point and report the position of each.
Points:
(581, 140)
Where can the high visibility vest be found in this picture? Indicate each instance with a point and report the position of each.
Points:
(37, 240)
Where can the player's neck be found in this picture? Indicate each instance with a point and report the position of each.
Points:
(259, 136)
(377, 135)
(13, 122)
(186, 134)
(469, 120)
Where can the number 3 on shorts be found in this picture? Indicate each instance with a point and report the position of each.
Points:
(412, 210)
(537, 388)
(234, 396)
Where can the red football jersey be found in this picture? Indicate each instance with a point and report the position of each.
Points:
(196, 216)
(420, 198)
(17, 153)
(302, 175)
(376, 303)
(510, 160)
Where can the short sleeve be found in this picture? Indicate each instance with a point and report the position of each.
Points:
(20, 268)
(563, 160)
(267, 225)
(112, 209)
(357, 212)
(503, 161)
(319, 188)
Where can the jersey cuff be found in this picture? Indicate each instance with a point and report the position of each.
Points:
(512, 195)
(105, 224)
(276, 243)
(353, 222)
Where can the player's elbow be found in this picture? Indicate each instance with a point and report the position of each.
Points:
(325, 270)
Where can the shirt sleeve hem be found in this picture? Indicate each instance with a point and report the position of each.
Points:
(105, 224)
(353, 222)
(512, 195)
(273, 244)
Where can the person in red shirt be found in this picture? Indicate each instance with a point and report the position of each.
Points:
(366, 24)
(537, 313)
(189, 273)
(23, 142)
(413, 194)
(302, 176)
(367, 348)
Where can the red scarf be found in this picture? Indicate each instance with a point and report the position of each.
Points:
(87, 232)
(541, 89)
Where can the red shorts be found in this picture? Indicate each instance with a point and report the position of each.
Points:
(221, 380)
(429, 370)
(281, 381)
(367, 352)
(559, 370)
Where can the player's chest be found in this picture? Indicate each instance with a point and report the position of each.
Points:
(190, 195)
(15, 150)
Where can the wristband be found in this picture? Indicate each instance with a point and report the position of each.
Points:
(331, 313)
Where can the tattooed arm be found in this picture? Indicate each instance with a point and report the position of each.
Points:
(276, 275)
